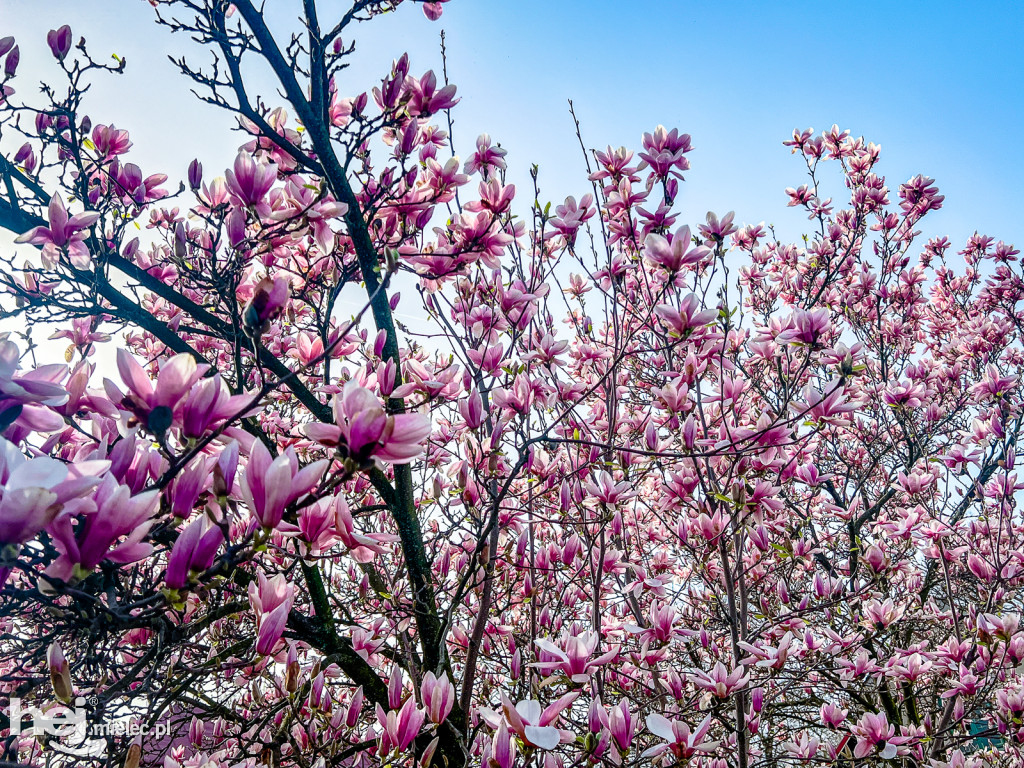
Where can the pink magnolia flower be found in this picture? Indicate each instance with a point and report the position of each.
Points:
(680, 741)
(363, 548)
(364, 432)
(534, 725)
(720, 681)
(621, 725)
(438, 696)
(60, 672)
(880, 615)
(249, 181)
(155, 406)
(59, 41)
(23, 396)
(271, 483)
(401, 726)
(267, 302)
(569, 217)
(805, 327)
(208, 404)
(110, 141)
(193, 552)
(271, 599)
(82, 334)
(803, 746)
(486, 157)
(98, 534)
(503, 748)
(434, 9)
(573, 656)
(832, 715)
(64, 234)
(33, 492)
(715, 231)
(676, 254)
(681, 321)
(830, 406)
(874, 734)
(604, 488)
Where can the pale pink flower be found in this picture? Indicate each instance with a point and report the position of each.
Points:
(64, 234)
(679, 740)
(573, 655)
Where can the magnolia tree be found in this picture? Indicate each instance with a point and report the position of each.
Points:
(641, 489)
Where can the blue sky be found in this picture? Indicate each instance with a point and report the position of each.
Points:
(935, 84)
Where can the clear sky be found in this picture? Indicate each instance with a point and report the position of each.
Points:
(936, 84)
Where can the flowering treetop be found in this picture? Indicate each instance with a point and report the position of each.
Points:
(645, 488)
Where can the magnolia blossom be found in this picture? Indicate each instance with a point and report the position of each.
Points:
(33, 492)
(24, 396)
(267, 302)
(194, 551)
(675, 254)
(875, 735)
(400, 726)
(63, 234)
(98, 534)
(155, 404)
(438, 696)
(364, 432)
(530, 721)
(271, 483)
(574, 656)
(679, 739)
(687, 317)
(720, 681)
(249, 181)
(271, 599)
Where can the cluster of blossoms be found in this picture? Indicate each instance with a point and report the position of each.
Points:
(613, 516)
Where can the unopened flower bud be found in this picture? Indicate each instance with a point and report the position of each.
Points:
(60, 674)
(59, 41)
(133, 757)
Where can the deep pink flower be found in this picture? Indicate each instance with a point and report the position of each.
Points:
(715, 231)
(22, 396)
(59, 41)
(33, 492)
(569, 217)
(110, 141)
(683, 320)
(209, 403)
(401, 726)
(249, 181)
(720, 681)
(268, 301)
(98, 534)
(155, 406)
(193, 552)
(364, 432)
(534, 724)
(675, 254)
(271, 483)
(438, 695)
(486, 157)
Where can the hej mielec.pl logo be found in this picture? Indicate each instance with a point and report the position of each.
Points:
(70, 721)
